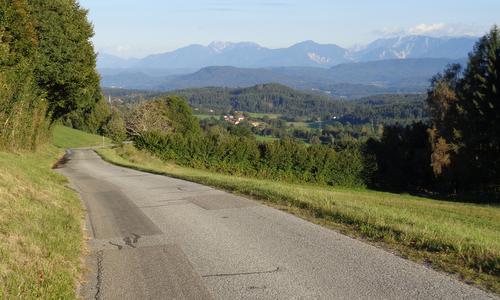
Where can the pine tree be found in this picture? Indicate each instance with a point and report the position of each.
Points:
(465, 114)
(480, 107)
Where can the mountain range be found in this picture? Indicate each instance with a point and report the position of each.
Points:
(350, 80)
(392, 65)
(304, 54)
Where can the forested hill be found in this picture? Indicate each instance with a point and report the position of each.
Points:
(279, 99)
(262, 98)
(386, 109)
(352, 80)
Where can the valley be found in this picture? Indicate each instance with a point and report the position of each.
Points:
(249, 149)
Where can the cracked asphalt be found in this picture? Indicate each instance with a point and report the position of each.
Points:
(155, 237)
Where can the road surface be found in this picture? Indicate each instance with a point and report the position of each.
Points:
(155, 237)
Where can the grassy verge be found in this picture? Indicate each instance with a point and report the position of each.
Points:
(462, 239)
(41, 238)
(65, 137)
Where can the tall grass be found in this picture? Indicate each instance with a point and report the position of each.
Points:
(454, 237)
(41, 238)
(23, 121)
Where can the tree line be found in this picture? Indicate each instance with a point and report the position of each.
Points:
(47, 72)
(458, 151)
(171, 132)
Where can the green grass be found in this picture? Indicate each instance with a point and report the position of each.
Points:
(261, 115)
(205, 116)
(41, 239)
(65, 137)
(300, 125)
(310, 125)
(459, 238)
(265, 138)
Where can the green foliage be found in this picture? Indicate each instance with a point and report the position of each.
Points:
(169, 114)
(278, 101)
(402, 158)
(115, 127)
(459, 152)
(91, 118)
(47, 71)
(22, 107)
(465, 110)
(386, 109)
(65, 66)
(41, 238)
(66, 137)
(236, 151)
(179, 112)
(265, 99)
(284, 159)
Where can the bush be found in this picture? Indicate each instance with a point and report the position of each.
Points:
(286, 159)
(114, 127)
(22, 106)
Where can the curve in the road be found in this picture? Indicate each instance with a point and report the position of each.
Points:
(155, 237)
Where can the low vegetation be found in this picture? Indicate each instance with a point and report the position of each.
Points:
(455, 237)
(47, 75)
(167, 128)
(41, 239)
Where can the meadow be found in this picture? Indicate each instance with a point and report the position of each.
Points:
(66, 137)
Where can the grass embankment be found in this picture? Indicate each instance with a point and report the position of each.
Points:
(41, 238)
(65, 137)
(454, 237)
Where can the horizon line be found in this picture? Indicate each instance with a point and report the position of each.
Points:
(352, 48)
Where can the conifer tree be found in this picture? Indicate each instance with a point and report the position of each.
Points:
(465, 111)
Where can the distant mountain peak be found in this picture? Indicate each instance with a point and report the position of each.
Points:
(304, 54)
(307, 42)
(320, 60)
(221, 46)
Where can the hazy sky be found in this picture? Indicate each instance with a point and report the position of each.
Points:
(140, 27)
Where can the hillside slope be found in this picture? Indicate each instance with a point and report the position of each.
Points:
(41, 238)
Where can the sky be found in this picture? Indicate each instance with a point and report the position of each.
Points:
(133, 28)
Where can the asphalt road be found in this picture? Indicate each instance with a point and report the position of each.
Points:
(155, 237)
